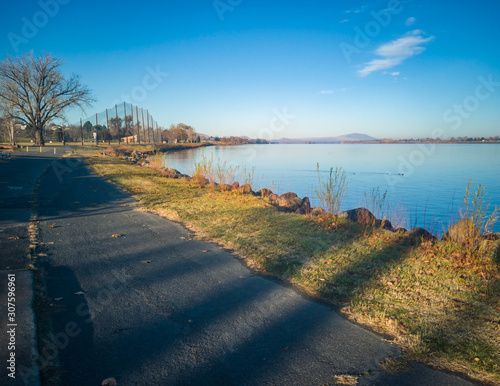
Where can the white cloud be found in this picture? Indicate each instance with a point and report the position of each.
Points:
(395, 73)
(395, 52)
(344, 21)
(410, 21)
(325, 92)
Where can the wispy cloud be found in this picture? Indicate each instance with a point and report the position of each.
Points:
(326, 92)
(344, 21)
(395, 52)
(410, 21)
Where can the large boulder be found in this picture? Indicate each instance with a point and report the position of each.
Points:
(416, 235)
(264, 192)
(170, 173)
(225, 187)
(305, 208)
(246, 189)
(235, 186)
(289, 202)
(318, 211)
(461, 231)
(360, 215)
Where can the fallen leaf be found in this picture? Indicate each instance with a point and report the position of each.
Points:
(79, 293)
(13, 238)
(51, 226)
(390, 283)
(182, 238)
(205, 251)
(109, 381)
(116, 236)
(145, 262)
(58, 299)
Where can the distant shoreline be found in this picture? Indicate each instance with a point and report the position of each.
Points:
(403, 142)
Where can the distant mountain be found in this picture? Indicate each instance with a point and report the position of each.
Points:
(354, 137)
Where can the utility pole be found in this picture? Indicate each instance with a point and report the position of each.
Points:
(153, 129)
(132, 121)
(125, 120)
(138, 128)
(143, 127)
(107, 124)
(147, 117)
(117, 128)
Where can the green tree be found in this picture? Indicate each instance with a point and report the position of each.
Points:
(87, 128)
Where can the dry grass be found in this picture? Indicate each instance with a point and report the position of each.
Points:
(441, 313)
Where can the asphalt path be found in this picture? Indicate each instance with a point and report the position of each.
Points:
(18, 179)
(134, 297)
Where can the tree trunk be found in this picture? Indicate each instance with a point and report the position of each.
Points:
(39, 137)
(12, 134)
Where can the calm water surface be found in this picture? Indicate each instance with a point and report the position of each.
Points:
(425, 184)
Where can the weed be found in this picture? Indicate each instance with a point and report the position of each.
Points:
(473, 224)
(331, 192)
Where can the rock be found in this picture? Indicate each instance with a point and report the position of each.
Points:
(225, 187)
(170, 173)
(461, 231)
(289, 201)
(400, 230)
(418, 234)
(264, 193)
(246, 189)
(318, 211)
(305, 208)
(386, 224)
(360, 215)
(235, 186)
(273, 197)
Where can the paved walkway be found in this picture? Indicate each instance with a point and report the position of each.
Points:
(18, 178)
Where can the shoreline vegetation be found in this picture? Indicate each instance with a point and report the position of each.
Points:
(437, 299)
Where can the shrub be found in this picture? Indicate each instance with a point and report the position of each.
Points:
(474, 222)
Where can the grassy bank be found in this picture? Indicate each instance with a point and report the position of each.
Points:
(443, 311)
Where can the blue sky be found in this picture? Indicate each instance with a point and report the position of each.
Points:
(278, 68)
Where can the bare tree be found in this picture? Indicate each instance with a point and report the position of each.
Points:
(7, 114)
(39, 92)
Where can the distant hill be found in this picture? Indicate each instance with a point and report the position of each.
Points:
(354, 137)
